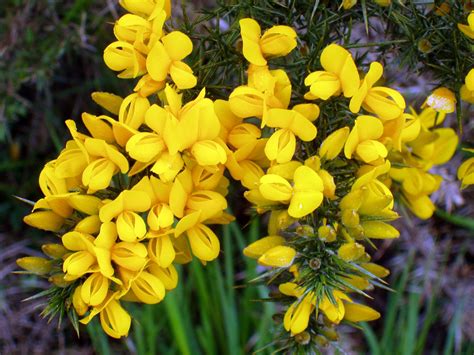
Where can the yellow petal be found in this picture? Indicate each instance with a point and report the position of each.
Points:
(115, 320)
(45, 220)
(278, 41)
(94, 290)
(79, 305)
(148, 288)
(379, 230)
(209, 152)
(130, 256)
(297, 316)
(275, 188)
(334, 312)
(89, 225)
(281, 146)
(333, 144)
(262, 245)
(250, 32)
(182, 75)
(161, 251)
(130, 226)
(177, 45)
(304, 203)
(144, 147)
(337, 60)
(158, 62)
(110, 102)
(351, 251)
(128, 200)
(168, 276)
(360, 313)
(204, 243)
(279, 256)
(445, 145)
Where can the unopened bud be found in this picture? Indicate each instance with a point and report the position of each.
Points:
(350, 218)
(55, 251)
(34, 264)
(58, 280)
(321, 341)
(356, 232)
(330, 334)
(305, 230)
(303, 338)
(425, 46)
(315, 264)
(327, 233)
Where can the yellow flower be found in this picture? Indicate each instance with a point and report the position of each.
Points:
(94, 289)
(147, 8)
(147, 288)
(194, 127)
(130, 225)
(262, 245)
(276, 42)
(467, 90)
(379, 230)
(348, 4)
(297, 315)
(45, 220)
(417, 185)
(466, 173)
(105, 162)
(441, 100)
(468, 29)
(168, 276)
(340, 75)
(433, 148)
(122, 56)
(362, 140)
(266, 89)
(137, 31)
(83, 260)
(166, 56)
(383, 2)
(160, 215)
(115, 320)
(132, 110)
(386, 103)
(147, 86)
(350, 251)
(282, 144)
(278, 256)
(303, 197)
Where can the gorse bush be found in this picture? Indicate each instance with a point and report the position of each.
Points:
(267, 95)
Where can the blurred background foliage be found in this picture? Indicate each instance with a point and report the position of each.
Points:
(50, 62)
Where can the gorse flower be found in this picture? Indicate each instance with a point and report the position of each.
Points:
(136, 195)
(324, 153)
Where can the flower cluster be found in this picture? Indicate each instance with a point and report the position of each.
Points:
(328, 195)
(137, 194)
(140, 191)
(466, 169)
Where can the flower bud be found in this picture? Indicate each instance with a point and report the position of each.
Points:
(34, 264)
(54, 251)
